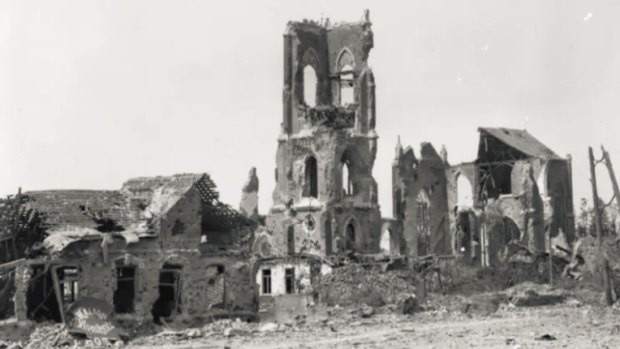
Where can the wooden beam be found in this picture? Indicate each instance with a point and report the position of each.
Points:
(612, 176)
(599, 234)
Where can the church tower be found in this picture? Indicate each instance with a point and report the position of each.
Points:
(325, 200)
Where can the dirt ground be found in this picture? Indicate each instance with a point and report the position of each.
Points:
(571, 324)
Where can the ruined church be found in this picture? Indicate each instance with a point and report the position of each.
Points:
(166, 247)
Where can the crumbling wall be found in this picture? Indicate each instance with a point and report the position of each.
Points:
(427, 176)
(249, 196)
(180, 226)
(99, 279)
(560, 192)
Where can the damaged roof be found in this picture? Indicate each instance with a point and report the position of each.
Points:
(64, 208)
(132, 212)
(520, 140)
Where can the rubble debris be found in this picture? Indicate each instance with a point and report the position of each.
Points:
(409, 305)
(50, 336)
(367, 311)
(529, 294)
(268, 327)
(352, 284)
(483, 304)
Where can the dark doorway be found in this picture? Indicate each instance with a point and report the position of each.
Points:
(41, 299)
(350, 238)
(311, 188)
(169, 302)
(125, 289)
(266, 281)
(289, 280)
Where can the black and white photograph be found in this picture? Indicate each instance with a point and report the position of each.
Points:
(309, 174)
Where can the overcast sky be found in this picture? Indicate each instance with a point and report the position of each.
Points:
(95, 92)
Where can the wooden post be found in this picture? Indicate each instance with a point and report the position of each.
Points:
(612, 176)
(54, 270)
(550, 260)
(599, 233)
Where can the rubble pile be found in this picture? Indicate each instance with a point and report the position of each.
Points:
(220, 328)
(50, 336)
(353, 284)
(529, 294)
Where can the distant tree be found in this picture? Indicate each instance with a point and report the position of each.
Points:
(586, 225)
(583, 219)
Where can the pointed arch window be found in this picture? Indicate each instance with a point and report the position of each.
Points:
(347, 184)
(311, 183)
(346, 85)
(310, 83)
(350, 237)
(423, 225)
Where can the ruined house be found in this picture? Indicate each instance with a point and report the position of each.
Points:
(325, 200)
(160, 247)
(517, 192)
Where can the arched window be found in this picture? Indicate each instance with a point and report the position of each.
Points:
(310, 82)
(464, 191)
(311, 178)
(347, 185)
(423, 225)
(350, 237)
(346, 85)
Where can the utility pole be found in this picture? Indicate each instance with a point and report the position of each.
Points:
(599, 233)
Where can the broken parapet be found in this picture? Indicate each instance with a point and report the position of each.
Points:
(249, 196)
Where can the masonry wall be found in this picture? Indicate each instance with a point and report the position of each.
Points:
(428, 175)
(98, 279)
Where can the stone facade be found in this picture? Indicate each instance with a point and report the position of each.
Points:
(159, 247)
(318, 208)
(516, 191)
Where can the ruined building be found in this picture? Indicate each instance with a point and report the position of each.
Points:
(516, 191)
(159, 247)
(325, 200)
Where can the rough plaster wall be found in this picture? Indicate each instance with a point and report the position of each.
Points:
(187, 211)
(98, 279)
(278, 282)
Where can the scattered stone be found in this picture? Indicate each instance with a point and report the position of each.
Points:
(268, 327)
(409, 305)
(367, 311)
(234, 331)
(546, 337)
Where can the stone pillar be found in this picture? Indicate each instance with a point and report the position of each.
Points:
(249, 196)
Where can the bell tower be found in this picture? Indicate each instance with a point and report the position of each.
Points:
(325, 200)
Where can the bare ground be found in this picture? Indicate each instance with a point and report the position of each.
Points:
(572, 326)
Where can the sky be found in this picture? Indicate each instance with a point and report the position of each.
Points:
(93, 93)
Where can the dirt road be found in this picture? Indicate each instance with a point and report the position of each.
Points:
(572, 327)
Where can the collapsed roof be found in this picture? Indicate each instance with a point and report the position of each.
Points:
(132, 212)
(520, 140)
